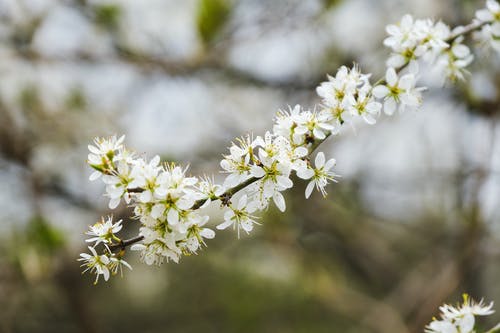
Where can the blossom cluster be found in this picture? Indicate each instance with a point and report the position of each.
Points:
(434, 42)
(489, 17)
(170, 204)
(103, 232)
(459, 319)
(267, 164)
(163, 198)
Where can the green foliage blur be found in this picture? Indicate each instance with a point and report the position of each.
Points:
(211, 17)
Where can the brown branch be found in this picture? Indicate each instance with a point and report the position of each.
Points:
(124, 243)
(471, 27)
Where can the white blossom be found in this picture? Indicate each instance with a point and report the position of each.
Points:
(398, 92)
(195, 234)
(320, 175)
(286, 123)
(104, 231)
(337, 89)
(365, 105)
(117, 184)
(116, 264)
(459, 319)
(102, 155)
(168, 204)
(208, 190)
(313, 125)
(490, 32)
(156, 252)
(412, 39)
(454, 61)
(145, 177)
(237, 164)
(97, 264)
(490, 13)
(274, 177)
(345, 96)
(240, 217)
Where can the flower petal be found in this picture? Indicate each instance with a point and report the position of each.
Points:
(320, 160)
(279, 201)
(309, 189)
(391, 76)
(380, 91)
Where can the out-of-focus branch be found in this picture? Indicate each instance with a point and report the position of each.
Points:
(187, 67)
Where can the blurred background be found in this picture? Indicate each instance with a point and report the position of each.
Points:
(413, 222)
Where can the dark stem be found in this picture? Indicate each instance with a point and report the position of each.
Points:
(124, 243)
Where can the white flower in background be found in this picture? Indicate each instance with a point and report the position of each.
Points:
(400, 91)
(490, 33)
(320, 175)
(459, 319)
(97, 264)
(104, 231)
(240, 217)
(454, 61)
(491, 13)
(401, 35)
(436, 36)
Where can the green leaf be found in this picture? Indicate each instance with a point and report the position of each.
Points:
(211, 17)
